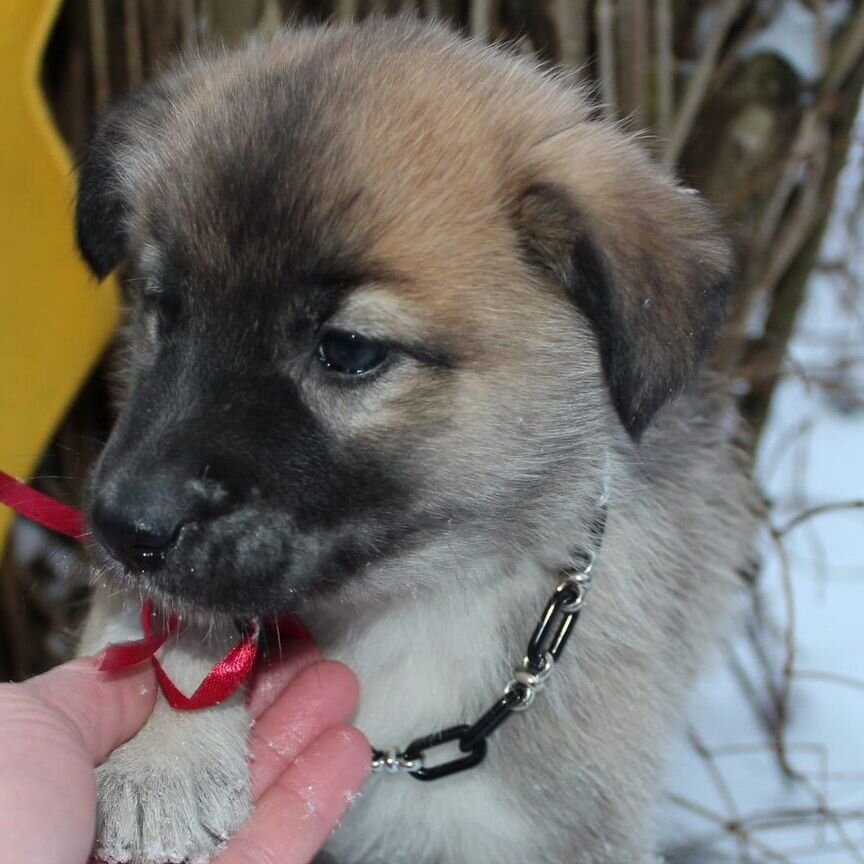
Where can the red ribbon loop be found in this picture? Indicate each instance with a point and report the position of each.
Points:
(221, 682)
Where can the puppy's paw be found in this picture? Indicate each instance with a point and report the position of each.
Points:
(176, 800)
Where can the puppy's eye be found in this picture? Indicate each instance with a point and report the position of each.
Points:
(350, 353)
(162, 303)
(152, 293)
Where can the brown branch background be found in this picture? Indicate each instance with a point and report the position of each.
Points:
(766, 146)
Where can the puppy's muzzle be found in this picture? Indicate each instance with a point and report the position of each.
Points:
(140, 519)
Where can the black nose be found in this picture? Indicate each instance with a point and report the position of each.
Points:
(138, 532)
(144, 501)
(140, 516)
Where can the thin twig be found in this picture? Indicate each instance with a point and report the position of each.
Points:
(789, 639)
(665, 67)
(832, 818)
(605, 22)
(830, 678)
(132, 35)
(347, 9)
(699, 83)
(572, 18)
(737, 829)
(481, 18)
(638, 60)
(719, 781)
(758, 16)
(822, 35)
(188, 23)
(848, 55)
(797, 226)
(99, 51)
(819, 510)
(803, 146)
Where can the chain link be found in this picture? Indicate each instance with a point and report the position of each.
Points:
(529, 678)
(392, 762)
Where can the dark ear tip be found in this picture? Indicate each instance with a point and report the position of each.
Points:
(100, 263)
(100, 216)
(101, 275)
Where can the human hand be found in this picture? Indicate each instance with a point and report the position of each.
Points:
(307, 764)
(55, 728)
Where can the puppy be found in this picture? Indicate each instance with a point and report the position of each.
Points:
(400, 308)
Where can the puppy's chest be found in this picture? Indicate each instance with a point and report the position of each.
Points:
(427, 668)
(403, 821)
(424, 668)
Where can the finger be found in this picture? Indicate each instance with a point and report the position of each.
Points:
(322, 696)
(270, 680)
(300, 810)
(103, 710)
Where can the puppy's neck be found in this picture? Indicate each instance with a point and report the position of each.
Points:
(437, 657)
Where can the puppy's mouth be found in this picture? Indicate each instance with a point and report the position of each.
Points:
(247, 564)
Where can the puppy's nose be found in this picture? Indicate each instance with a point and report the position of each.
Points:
(138, 535)
(140, 520)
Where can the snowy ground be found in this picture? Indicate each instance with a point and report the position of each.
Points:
(726, 770)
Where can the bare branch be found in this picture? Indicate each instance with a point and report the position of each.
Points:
(481, 18)
(132, 33)
(665, 67)
(848, 54)
(812, 512)
(698, 86)
(635, 59)
(347, 9)
(99, 51)
(188, 23)
(605, 20)
(830, 678)
(572, 17)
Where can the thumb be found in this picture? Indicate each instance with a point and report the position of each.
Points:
(104, 710)
(53, 730)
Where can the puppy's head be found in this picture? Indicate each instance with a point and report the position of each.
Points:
(391, 297)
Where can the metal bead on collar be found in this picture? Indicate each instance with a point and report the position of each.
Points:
(544, 649)
(392, 762)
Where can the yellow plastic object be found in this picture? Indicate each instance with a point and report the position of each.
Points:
(54, 320)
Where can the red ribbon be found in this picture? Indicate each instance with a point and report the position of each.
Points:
(221, 682)
(40, 508)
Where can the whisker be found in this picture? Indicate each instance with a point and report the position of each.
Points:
(278, 636)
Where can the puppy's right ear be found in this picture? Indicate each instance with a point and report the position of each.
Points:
(122, 137)
(642, 258)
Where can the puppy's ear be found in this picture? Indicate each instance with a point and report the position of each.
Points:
(106, 175)
(641, 257)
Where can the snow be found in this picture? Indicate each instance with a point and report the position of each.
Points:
(812, 454)
(790, 36)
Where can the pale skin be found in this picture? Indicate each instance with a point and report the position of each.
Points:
(54, 730)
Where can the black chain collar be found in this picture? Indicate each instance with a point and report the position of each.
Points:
(544, 649)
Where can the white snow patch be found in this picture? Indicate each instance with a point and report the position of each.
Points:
(793, 34)
(812, 454)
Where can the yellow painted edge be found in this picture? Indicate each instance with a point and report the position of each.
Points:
(41, 116)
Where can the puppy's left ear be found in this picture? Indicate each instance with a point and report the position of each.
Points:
(642, 258)
(123, 140)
